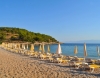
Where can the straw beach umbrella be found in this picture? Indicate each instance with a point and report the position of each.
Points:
(19, 45)
(23, 46)
(43, 50)
(59, 49)
(98, 52)
(48, 49)
(31, 50)
(27, 46)
(6, 45)
(32, 47)
(40, 48)
(19, 48)
(2, 45)
(15, 46)
(85, 52)
(75, 50)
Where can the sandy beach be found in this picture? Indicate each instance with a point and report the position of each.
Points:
(14, 65)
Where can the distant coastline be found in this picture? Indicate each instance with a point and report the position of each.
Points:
(85, 41)
(96, 44)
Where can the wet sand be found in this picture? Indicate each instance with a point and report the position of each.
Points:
(14, 65)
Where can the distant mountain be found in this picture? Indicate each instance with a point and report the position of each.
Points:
(84, 41)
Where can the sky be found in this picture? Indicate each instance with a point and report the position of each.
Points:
(65, 20)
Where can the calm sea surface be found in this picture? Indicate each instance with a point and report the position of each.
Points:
(68, 49)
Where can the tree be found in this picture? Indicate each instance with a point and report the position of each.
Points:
(25, 35)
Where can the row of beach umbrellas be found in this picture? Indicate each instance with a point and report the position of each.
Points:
(76, 51)
(58, 51)
(22, 46)
(41, 48)
(85, 51)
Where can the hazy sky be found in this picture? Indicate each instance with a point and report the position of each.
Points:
(65, 20)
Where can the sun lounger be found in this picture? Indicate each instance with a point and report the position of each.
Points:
(81, 59)
(42, 56)
(89, 67)
(88, 60)
(59, 60)
(74, 64)
(65, 61)
(75, 59)
(97, 62)
(51, 59)
(94, 67)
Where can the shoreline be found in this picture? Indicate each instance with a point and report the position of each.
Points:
(17, 65)
(37, 44)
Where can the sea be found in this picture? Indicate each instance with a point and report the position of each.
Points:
(68, 49)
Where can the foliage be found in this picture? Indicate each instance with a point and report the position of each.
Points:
(2, 36)
(13, 38)
(24, 35)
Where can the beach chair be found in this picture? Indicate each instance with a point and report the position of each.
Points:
(24, 52)
(65, 61)
(74, 64)
(61, 60)
(31, 53)
(38, 55)
(42, 56)
(68, 57)
(35, 55)
(94, 67)
(51, 59)
(89, 61)
(84, 66)
(76, 59)
(58, 60)
(97, 62)
(90, 68)
(81, 59)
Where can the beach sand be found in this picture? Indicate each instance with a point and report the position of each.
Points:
(14, 65)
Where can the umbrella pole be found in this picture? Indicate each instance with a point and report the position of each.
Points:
(84, 59)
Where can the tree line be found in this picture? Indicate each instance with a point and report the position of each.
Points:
(18, 34)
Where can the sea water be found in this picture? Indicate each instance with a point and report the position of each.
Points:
(68, 49)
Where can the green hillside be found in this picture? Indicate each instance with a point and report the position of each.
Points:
(17, 34)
